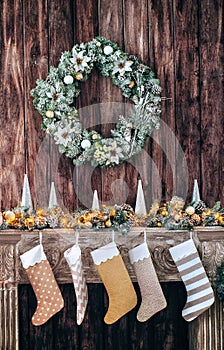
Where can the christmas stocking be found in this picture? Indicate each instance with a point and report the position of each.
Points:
(73, 257)
(49, 298)
(114, 275)
(153, 299)
(200, 295)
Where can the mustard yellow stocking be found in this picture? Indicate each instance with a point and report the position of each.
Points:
(115, 277)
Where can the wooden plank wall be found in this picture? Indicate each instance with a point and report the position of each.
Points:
(182, 43)
(182, 40)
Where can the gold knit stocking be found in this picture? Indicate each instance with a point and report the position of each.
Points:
(114, 275)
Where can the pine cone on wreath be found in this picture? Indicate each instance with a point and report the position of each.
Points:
(195, 219)
(200, 206)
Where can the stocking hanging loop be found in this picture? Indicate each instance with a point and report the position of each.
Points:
(76, 237)
(40, 237)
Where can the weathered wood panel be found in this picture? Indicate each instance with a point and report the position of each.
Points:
(111, 26)
(86, 28)
(163, 152)
(163, 34)
(136, 42)
(36, 66)
(187, 106)
(12, 150)
(211, 98)
(61, 21)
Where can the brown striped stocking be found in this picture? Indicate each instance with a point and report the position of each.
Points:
(200, 295)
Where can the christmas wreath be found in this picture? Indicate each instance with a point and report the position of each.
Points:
(54, 100)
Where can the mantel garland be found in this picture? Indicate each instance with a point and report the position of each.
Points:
(54, 100)
(172, 215)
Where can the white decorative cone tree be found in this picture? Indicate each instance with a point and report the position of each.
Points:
(26, 196)
(52, 198)
(95, 204)
(196, 194)
(140, 207)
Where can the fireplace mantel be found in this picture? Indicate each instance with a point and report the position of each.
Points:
(205, 333)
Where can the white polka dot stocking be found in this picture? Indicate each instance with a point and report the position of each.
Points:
(41, 277)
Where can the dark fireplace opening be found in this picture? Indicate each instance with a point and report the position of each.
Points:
(166, 330)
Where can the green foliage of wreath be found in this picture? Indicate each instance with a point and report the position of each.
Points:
(54, 100)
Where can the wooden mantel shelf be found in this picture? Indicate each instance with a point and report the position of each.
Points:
(209, 241)
(205, 333)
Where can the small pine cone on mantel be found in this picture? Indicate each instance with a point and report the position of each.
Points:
(195, 219)
(200, 206)
(126, 207)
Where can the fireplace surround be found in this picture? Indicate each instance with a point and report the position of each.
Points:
(205, 333)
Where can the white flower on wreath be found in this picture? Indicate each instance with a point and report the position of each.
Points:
(51, 93)
(115, 153)
(122, 66)
(79, 60)
(54, 92)
(63, 135)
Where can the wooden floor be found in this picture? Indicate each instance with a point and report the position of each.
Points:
(166, 330)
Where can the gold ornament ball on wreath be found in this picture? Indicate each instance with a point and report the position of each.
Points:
(50, 114)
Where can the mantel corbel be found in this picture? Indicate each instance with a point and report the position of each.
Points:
(9, 338)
